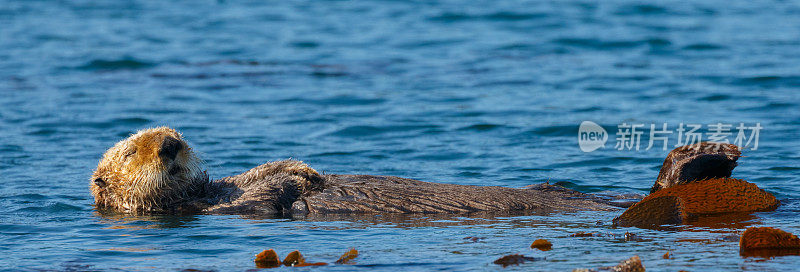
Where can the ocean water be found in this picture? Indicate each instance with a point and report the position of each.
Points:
(465, 92)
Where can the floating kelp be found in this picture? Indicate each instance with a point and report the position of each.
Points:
(473, 238)
(768, 242)
(348, 256)
(267, 259)
(294, 258)
(513, 259)
(542, 244)
(310, 264)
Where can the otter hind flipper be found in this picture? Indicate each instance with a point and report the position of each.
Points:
(701, 161)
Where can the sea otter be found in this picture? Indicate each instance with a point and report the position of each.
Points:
(155, 171)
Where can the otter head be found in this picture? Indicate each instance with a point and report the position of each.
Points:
(150, 171)
(701, 161)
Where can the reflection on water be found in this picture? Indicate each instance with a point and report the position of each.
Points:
(729, 221)
(715, 223)
(116, 220)
(770, 253)
(125, 249)
(487, 219)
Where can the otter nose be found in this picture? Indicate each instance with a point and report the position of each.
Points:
(170, 148)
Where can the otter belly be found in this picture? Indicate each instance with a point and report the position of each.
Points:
(354, 194)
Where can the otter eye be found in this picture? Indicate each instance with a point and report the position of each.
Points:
(99, 182)
(129, 152)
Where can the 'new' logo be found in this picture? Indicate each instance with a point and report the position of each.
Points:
(591, 136)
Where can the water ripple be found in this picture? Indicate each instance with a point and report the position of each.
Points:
(118, 64)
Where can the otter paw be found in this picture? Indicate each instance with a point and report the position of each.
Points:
(293, 167)
(303, 170)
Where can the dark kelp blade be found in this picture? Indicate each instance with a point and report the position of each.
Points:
(348, 256)
(513, 259)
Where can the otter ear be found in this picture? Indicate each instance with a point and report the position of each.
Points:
(99, 182)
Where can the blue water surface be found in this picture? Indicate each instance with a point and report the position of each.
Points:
(465, 92)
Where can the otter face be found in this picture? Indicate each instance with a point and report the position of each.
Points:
(147, 172)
